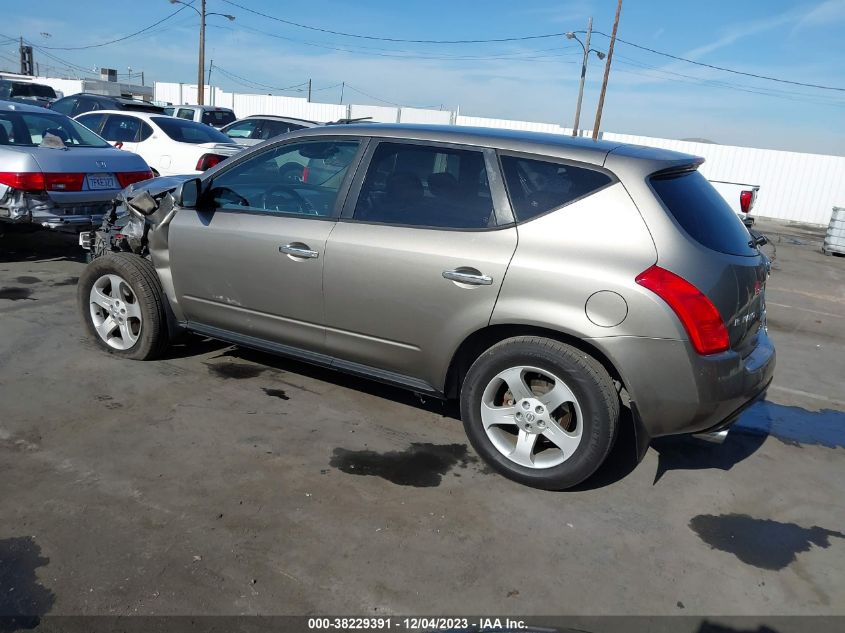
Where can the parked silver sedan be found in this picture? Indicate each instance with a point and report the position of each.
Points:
(55, 172)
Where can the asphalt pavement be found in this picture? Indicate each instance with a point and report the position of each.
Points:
(223, 481)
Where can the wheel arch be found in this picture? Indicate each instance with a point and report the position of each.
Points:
(476, 343)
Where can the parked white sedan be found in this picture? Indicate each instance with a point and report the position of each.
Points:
(170, 146)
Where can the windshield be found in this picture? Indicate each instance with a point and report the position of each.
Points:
(189, 131)
(30, 128)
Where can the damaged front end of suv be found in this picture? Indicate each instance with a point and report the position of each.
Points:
(138, 219)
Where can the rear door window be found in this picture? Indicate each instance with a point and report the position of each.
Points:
(426, 186)
(185, 113)
(702, 213)
(536, 186)
(121, 129)
(92, 121)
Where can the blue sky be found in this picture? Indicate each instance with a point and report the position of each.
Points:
(532, 80)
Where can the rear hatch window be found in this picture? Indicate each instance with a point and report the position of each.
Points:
(702, 212)
(218, 118)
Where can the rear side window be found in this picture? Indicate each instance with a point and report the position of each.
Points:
(185, 113)
(702, 212)
(537, 186)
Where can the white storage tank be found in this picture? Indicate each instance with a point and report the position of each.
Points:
(834, 241)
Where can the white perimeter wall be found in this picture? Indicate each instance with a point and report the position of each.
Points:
(793, 186)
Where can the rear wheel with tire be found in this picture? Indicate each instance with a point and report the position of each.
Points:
(122, 304)
(540, 412)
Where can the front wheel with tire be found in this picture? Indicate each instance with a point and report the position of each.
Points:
(122, 305)
(540, 412)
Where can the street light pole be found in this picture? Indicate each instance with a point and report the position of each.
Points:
(585, 46)
(201, 66)
(583, 76)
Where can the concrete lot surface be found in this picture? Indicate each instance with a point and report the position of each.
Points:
(223, 481)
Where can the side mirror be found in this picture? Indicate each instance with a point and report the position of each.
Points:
(187, 195)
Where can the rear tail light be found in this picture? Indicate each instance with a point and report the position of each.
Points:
(746, 201)
(38, 181)
(207, 161)
(700, 318)
(31, 181)
(128, 177)
(64, 182)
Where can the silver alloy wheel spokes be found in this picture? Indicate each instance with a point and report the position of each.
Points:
(115, 312)
(531, 417)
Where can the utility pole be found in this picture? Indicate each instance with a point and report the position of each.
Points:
(142, 77)
(27, 64)
(583, 76)
(606, 71)
(342, 86)
(309, 91)
(201, 67)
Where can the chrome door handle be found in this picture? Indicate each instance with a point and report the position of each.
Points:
(298, 250)
(473, 278)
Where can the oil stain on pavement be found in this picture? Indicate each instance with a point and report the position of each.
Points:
(68, 281)
(22, 599)
(236, 371)
(15, 294)
(276, 393)
(420, 465)
(26, 279)
(762, 543)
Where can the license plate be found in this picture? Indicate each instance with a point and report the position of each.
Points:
(102, 181)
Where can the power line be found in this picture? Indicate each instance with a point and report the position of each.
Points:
(393, 103)
(525, 55)
(393, 39)
(119, 39)
(722, 68)
(256, 84)
(773, 92)
(528, 37)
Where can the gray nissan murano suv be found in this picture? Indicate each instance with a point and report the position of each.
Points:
(543, 281)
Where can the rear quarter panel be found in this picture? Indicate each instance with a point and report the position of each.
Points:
(598, 243)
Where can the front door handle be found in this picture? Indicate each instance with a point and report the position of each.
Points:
(469, 276)
(298, 250)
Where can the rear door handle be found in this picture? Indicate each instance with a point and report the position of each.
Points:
(468, 276)
(298, 250)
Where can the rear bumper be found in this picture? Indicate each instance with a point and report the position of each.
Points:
(75, 214)
(678, 391)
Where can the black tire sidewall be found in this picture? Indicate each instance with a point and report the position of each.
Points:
(599, 420)
(152, 322)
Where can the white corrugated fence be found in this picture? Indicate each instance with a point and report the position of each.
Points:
(793, 186)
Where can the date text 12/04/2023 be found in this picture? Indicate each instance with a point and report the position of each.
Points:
(415, 624)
